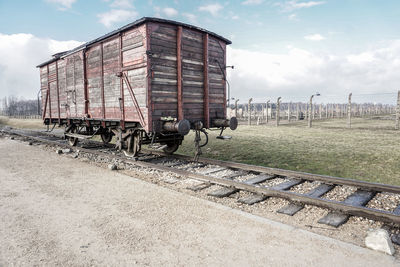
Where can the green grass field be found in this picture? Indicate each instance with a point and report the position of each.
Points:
(369, 151)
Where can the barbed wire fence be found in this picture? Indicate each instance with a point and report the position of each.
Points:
(352, 110)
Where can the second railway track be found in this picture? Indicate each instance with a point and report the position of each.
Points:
(260, 182)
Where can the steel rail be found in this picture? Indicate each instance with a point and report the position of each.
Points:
(370, 213)
(295, 174)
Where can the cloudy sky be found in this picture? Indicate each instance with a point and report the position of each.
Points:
(280, 48)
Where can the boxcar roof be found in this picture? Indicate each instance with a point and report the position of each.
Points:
(128, 26)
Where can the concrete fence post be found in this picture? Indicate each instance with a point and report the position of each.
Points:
(236, 107)
(267, 108)
(398, 111)
(349, 112)
(313, 110)
(320, 111)
(297, 111)
(262, 111)
(306, 111)
(249, 111)
(288, 112)
(278, 110)
(310, 112)
(327, 111)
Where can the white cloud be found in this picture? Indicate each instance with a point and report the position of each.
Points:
(314, 37)
(298, 73)
(235, 17)
(190, 17)
(157, 11)
(170, 12)
(289, 6)
(18, 73)
(252, 2)
(116, 15)
(292, 17)
(122, 10)
(122, 4)
(213, 9)
(62, 4)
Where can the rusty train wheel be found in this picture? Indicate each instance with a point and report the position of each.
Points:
(106, 137)
(72, 141)
(133, 144)
(171, 148)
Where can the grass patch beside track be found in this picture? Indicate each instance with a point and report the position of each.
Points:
(370, 151)
(22, 123)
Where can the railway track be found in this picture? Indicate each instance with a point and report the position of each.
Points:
(260, 182)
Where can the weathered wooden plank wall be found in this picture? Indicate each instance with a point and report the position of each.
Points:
(111, 80)
(164, 92)
(93, 74)
(193, 75)
(216, 61)
(52, 79)
(165, 75)
(155, 86)
(62, 88)
(134, 61)
(79, 84)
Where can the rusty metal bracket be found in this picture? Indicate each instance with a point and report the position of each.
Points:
(45, 104)
(120, 103)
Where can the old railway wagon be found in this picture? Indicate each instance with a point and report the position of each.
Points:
(150, 81)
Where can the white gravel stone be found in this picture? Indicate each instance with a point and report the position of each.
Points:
(112, 167)
(59, 151)
(379, 240)
(66, 151)
(170, 179)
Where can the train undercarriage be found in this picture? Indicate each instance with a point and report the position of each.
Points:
(130, 136)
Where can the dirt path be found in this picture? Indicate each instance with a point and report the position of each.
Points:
(57, 210)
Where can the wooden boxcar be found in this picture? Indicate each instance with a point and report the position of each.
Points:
(150, 81)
